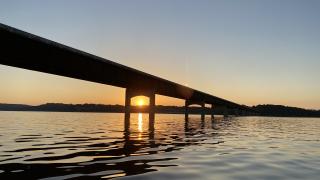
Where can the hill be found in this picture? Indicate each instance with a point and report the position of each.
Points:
(285, 111)
(263, 110)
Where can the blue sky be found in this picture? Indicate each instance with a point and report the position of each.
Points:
(251, 52)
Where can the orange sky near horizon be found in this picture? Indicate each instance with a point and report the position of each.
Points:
(40, 88)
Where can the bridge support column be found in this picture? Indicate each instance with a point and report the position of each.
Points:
(186, 110)
(152, 104)
(138, 92)
(236, 112)
(225, 112)
(127, 110)
(212, 111)
(203, 111)
(191, 102)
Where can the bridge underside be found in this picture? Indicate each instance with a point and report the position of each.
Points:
(24, 50)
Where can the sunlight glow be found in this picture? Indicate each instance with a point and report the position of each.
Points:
(140, 126)
(141, 102)
(140, 122)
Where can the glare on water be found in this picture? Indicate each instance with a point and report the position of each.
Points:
(140, 125)
(140, 122)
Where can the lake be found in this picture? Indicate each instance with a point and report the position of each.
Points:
(55, 145)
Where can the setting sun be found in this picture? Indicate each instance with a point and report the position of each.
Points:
(140, 102)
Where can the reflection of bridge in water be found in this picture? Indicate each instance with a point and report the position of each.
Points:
(189, 130)
(125, 155)
(24, 50)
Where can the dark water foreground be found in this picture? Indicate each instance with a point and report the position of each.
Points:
(44, 145)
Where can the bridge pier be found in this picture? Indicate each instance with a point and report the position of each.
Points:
(203, 110)
(152, 104)
(127, 110)
(189, 102)
(225, 112)
(236, 112)
(186, 110)
(212, 111)
(130, 93)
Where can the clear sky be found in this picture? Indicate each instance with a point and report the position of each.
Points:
(250, 52)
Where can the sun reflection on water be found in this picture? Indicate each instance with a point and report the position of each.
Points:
(140, 125)
(140, 122)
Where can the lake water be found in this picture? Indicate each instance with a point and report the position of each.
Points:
(52, 145)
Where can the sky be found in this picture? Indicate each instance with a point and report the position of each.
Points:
(249, 51)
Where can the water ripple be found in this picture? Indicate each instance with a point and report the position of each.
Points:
(80, 145)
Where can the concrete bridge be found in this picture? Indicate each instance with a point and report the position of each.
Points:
(24, 50)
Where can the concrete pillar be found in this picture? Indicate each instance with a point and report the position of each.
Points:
(203, 111)
(236, 112)
(186, 110)
(127, 109)
(225, 112)
(203, 114)
(152, 103)
(212, 111)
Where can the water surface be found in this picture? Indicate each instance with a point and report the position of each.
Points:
(51, 145)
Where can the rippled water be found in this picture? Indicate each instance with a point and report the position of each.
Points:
(91, 145)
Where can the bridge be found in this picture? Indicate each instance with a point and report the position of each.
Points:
(24, 50)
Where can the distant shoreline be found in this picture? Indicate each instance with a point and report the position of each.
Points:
(263, 110)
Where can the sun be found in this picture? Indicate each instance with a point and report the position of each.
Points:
(140, 102)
